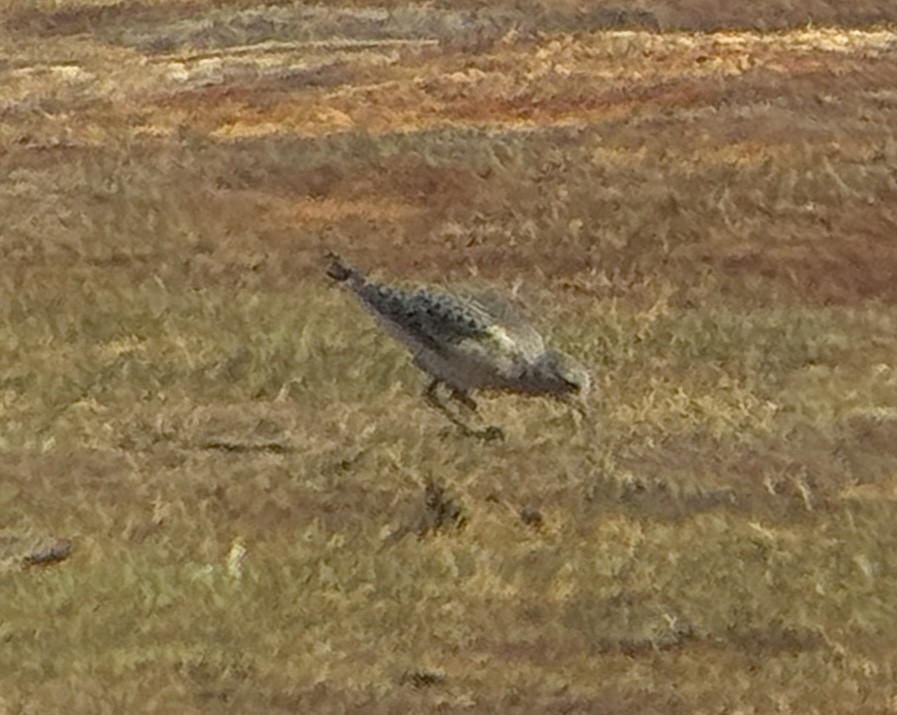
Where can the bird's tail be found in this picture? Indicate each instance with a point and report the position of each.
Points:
(340, 271)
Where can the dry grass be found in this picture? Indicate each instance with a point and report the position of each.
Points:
(263, 515)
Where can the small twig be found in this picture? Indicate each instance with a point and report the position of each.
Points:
(54, 552)
(239, 448)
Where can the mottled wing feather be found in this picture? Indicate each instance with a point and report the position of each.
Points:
(447, 318)
(436, 320)
(498, 306)
(511, 326)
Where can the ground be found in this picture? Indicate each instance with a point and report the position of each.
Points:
(219, 487)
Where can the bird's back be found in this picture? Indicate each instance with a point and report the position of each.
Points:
(432, 318)
(469, 341)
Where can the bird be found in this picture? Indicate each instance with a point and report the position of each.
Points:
(467, 342)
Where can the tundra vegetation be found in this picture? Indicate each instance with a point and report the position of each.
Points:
(219, 487)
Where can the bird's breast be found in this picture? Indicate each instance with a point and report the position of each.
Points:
(462, 369)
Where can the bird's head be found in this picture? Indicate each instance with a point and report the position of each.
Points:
(565, 378)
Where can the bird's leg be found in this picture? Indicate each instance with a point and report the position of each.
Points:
(431, 396)
(581, 412)
(464, 399)
(489, 433)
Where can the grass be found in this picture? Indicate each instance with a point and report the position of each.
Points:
(265, 517)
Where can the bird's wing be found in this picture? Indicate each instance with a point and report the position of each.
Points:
(499, 306)
(431, 318)
(445, 319)
(484, 327)
(510, 325)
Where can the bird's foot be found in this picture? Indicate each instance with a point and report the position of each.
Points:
(491, 434)
(488, 434)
